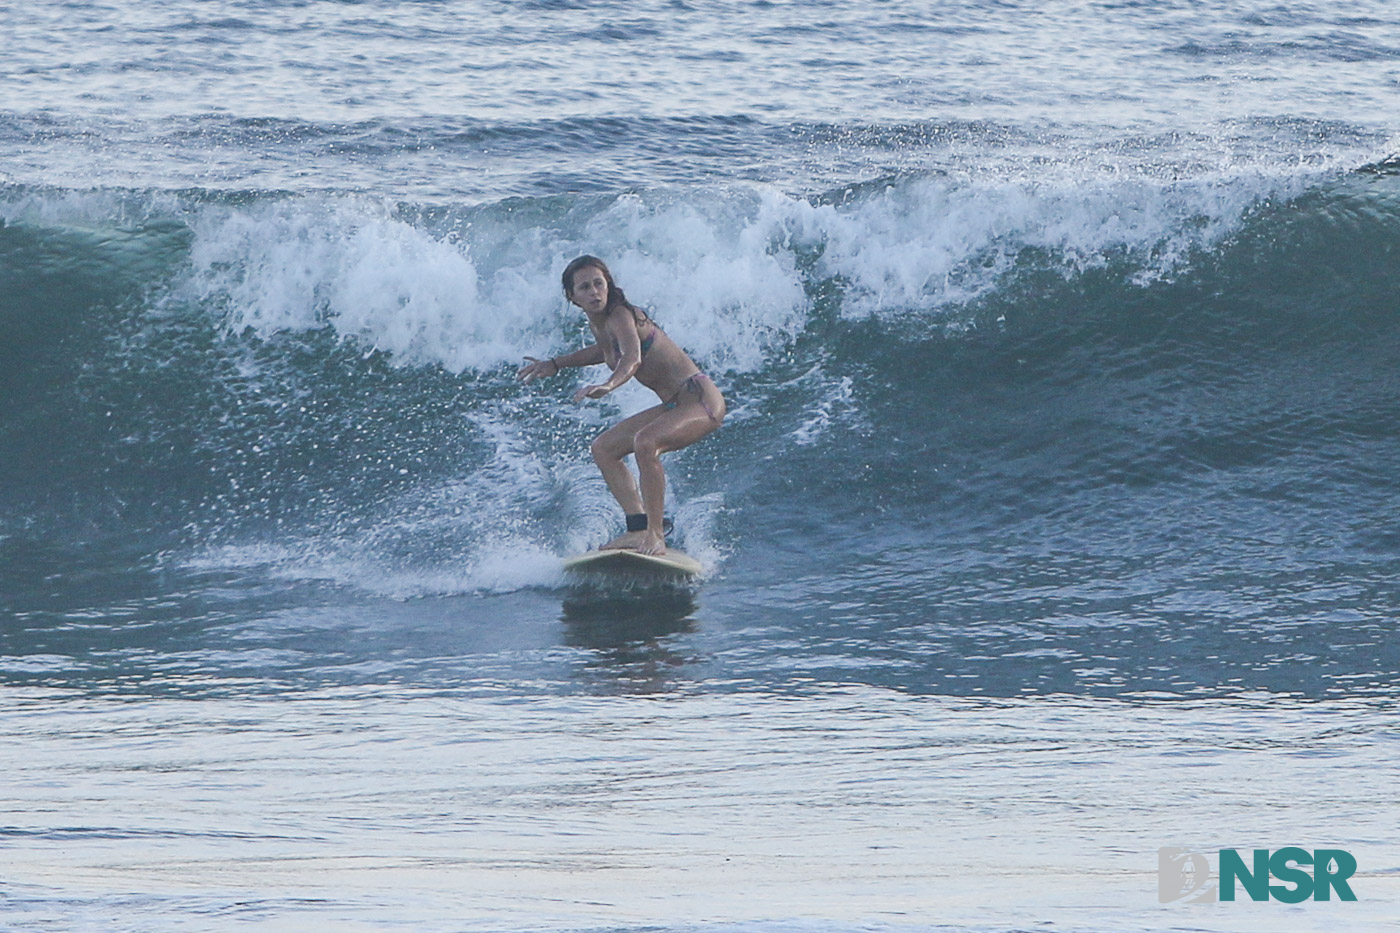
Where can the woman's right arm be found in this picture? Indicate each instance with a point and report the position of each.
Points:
(588, 356)
(537, 369)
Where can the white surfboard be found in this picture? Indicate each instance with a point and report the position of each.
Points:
(672, 564)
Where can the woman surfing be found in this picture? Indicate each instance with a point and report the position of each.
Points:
(631, 344)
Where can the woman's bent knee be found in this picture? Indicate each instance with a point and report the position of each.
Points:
(604, 450)
(645, 448)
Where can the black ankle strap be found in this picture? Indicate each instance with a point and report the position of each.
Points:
(637, 522)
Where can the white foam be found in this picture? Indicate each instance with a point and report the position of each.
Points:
(387, 285)
(727, 272)
(835, 399)
(695, 521)
(930, 244)
(376, 279)
(511, 565)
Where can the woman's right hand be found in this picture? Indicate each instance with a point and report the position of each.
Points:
(537, 369)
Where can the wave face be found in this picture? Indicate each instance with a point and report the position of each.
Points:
(324, 383)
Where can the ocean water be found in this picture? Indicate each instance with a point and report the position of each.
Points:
(1054, 521)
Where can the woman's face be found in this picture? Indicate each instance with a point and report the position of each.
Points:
(590, 291)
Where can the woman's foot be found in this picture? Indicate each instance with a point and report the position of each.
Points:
(653, 542)
(627, 541)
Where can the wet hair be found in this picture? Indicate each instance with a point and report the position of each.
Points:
(616, 297)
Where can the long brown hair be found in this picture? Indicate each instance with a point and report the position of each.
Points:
(616, 297)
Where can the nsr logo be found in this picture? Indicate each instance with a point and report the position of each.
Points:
(1183, 875)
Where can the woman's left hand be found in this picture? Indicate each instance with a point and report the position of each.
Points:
(594, 391)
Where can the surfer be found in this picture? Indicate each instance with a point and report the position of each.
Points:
(630, 343)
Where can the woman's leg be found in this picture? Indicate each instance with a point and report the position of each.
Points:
(609, 450)
(673, 430)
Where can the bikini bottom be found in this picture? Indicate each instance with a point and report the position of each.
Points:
(693, 384)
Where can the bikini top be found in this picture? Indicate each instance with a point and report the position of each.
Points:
(646, 342)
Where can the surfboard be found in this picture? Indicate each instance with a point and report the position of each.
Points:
(673, 564)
